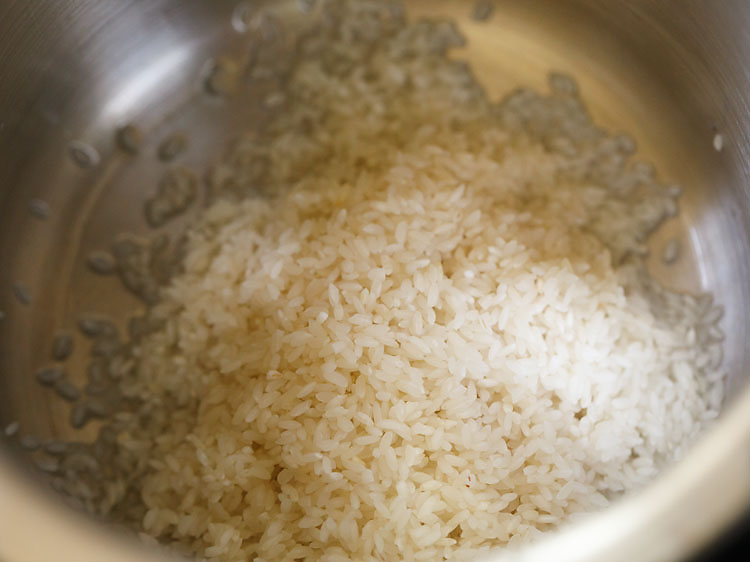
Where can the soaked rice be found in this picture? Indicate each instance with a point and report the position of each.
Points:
(422, 330)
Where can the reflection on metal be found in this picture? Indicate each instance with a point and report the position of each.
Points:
(144, 83)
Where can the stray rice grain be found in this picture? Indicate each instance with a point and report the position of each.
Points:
(62, 346)
(22, 294)
(39, 209)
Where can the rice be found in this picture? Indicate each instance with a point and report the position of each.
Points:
(432, 334)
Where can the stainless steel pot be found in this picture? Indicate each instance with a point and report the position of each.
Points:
(671, 72)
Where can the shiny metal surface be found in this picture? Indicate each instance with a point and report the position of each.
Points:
(670, 72)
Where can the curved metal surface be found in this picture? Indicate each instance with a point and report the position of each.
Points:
(670, 72)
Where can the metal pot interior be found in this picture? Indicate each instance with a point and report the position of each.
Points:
(670, 73)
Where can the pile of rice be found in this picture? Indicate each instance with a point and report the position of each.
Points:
(430, 334)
